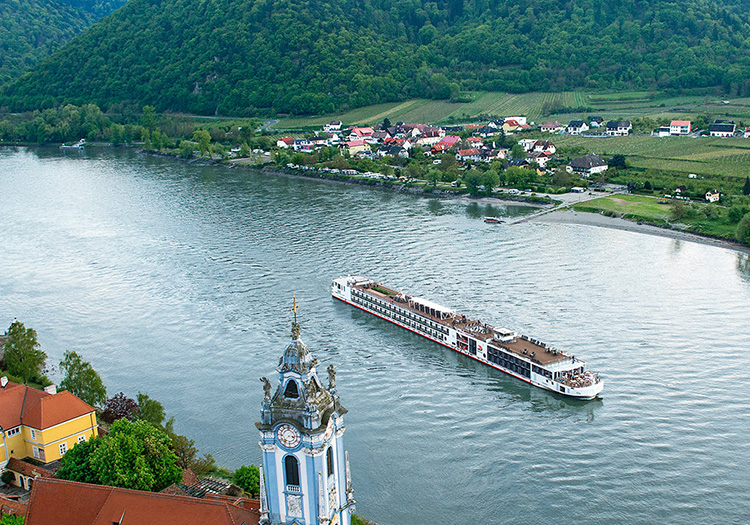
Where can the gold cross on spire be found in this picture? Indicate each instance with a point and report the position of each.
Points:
(294, 308)
(295, 325)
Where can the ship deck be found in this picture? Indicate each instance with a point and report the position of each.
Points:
(480, 331)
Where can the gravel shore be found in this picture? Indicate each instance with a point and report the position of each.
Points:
(596, 219)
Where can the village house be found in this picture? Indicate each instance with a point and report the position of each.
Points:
(576, 127)
(285, 142)
(492, 154)
(475, 142)
(527, 144)
(619, 128)
(587, 165)
(353, 147)
(393, 151)
(302, 145)
(552, 127)
(471, 154)
(544, 146)
(679, 127)
(713, 196)
(40, 427)
(747, 133)
(511, 125)
(519, 120)
(663, 131)
(722, 128)
(538, 157)
(334, 125)
(596, 122)
(430, 137)
(361, 133)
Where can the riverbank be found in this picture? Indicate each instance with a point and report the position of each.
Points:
(616, 223)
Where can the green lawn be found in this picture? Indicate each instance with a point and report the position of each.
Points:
(635, 205)
(648, 209)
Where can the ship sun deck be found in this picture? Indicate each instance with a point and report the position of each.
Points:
(535, 351)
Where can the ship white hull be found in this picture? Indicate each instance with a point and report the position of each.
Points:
(448, 338)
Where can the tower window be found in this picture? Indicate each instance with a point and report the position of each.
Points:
(291, 469)
(329, 460)
(291, 390)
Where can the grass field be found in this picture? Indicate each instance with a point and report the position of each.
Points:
(637, 205)
(648, 209)
(703, 156)
(532, 105)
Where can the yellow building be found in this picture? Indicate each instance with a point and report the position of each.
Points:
(40, 425)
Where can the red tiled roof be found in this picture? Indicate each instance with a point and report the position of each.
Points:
(287, 140)
(12, 507)
(37, 409)
(468, 152)
(680, 123)
(55, 501)
(27, 469)
(189, 477)
(55, 409)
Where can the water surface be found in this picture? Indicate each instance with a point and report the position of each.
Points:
(176, 280)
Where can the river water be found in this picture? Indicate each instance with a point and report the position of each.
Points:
(176, 280)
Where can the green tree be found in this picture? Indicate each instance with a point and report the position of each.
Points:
(746, 188)
(736, 213)
(7, 519)
(490, 179)
(248, 479)
(75, 465)
(472, 179)
(150, 410)
(518, 152)
(23, 356)
(149, 118)
(742, 233)
(136, 455)
(82, 380)
(203, 138)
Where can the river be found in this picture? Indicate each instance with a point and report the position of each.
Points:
(176, 280)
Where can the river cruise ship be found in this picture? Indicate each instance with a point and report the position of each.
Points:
(518, 355)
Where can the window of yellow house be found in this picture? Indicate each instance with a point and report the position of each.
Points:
(82, 438)
(13, 431)
(63, 448)
(33, 434)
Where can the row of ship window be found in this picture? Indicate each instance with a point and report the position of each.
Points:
(508, 362)
(430, 327)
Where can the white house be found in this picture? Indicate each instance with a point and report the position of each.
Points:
(713, 195)
(334, 125)
(588, 165)
(721, 128)
(679, 127)
(619, 128)
(552, 127)
(576, 127)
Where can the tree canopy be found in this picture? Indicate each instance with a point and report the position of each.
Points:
(82, 380)
(248, 479)
(24, 357)
(119, 407)
(134, 455)
(301, 57)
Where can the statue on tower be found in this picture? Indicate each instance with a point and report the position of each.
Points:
(331, 377)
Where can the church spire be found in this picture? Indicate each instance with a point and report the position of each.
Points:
(295, 325)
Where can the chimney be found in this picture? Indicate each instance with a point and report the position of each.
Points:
(3, 381)
(52, 389)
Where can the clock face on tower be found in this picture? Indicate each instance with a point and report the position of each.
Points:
(288, 435)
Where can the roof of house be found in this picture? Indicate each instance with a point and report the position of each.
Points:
(55, 501)
(475, 139)
(592, 160)
(727, 128)
(21, 404)
(614, 124)
(287, 140)
(452, 139)
(468, 152)
(27, 469)
(594, 118)
(680, 123)
(576, 124)
(363, 132)
(712, 192)
(13, 507)
(554, 124)
(353, 143)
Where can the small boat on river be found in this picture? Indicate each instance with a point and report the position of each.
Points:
(78, 146)
(493, 220)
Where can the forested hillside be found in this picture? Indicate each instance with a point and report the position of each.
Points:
(32, 29)
(314, 56)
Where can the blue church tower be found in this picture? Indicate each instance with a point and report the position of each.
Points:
(305, 478)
